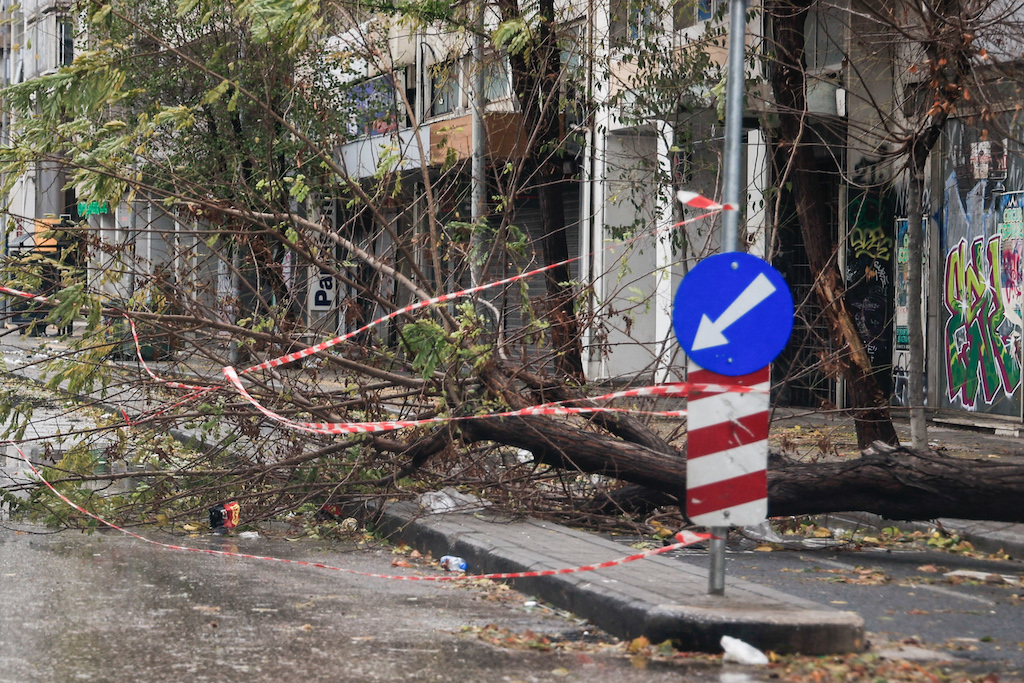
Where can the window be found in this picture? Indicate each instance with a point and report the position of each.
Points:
(444, 88)
(687, 13)
(18, 24)
(632, 20)
(375, 106)
(706, 9)
(823, 32)
(65, 41)
(496, 85)
(684, 14)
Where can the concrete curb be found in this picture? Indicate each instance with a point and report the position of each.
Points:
(989, 537)
(657, 597)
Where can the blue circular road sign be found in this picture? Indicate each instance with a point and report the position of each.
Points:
(733, 313)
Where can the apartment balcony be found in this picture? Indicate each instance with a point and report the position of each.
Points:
(361, 158)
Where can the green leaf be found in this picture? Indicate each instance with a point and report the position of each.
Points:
(217, 92)
(427, 345)
(100, 15)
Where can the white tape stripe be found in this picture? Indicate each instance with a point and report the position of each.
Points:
(725, 408)
(754, 512)
(727, 464)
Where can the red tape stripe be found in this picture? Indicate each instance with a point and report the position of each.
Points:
(684, 538)
(725, 435)
(726, 494)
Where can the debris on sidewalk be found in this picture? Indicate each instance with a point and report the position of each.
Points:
(742, 653)
(450, 499)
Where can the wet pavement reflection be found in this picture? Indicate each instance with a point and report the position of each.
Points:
(104, 607)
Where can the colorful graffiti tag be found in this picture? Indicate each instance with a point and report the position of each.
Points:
(1011, 232)
(982, 343)
(869, 267)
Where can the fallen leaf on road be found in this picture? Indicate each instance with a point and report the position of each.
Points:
(638, 644)
(961, 575)
(869, 576)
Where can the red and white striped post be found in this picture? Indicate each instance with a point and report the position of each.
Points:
(727, 459)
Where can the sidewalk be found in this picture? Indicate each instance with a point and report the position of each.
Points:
(655, 597)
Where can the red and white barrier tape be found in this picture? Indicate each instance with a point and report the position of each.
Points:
(392, 425)
(683, 538)
(688, 198)
(25, 295)
(555, 408)
(691, 199)
(698, 201)
(142, 361)
(677, 389)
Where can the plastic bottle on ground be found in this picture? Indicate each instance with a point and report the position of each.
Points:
(451, 563)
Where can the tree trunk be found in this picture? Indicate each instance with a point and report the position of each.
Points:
(901, 483)
(894, 482)
(870, 404)
(915, 325)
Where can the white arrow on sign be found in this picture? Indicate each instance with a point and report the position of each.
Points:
(709, 333)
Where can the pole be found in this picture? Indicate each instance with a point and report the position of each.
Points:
(734, 124)
(731, 218)
(479, 138)
(716, 570)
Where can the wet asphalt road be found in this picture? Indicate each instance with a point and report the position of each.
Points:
(104, 607)
(903, 596)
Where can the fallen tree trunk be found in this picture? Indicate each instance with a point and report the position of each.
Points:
(894, 482)
(902, 484)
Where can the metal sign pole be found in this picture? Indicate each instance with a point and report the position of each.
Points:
(734, 124)
(716, 551)
(730, 219)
